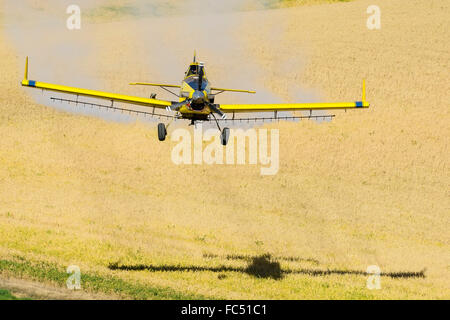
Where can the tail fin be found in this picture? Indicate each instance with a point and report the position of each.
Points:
(26, 70)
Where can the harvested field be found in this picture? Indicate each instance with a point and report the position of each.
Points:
(369, 188)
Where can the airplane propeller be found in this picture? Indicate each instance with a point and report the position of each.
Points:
(179, 105)
(212, 107)
(201, 75)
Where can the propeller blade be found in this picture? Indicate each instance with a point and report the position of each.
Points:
(215, 109)
(178, 106)
(200, 78)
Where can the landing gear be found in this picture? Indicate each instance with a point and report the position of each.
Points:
(162, 132)
(225, 136)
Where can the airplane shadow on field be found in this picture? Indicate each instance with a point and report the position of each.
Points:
(264, 266)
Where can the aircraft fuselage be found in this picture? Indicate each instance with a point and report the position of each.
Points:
(196, 88)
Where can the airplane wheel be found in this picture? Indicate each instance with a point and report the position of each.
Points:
(225, 136)
(162, 132)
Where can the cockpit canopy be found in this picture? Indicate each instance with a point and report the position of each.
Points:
(193, 83)
(193, 75)
(194, 69)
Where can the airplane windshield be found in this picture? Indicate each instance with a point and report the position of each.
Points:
(193, 83)
(194, 70)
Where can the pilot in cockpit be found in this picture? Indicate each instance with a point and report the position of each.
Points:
(194, 70)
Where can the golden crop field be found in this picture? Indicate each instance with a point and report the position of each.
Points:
(370, 187)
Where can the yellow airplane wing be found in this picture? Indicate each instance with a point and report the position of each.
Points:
(229, 108)
(94, 94)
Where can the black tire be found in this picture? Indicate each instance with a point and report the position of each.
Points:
(162, 132)
(225, 136)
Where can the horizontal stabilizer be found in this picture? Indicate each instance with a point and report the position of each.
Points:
(232, 90)
(154, 84)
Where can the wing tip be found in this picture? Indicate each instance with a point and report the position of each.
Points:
(26, 69)
(364, 90)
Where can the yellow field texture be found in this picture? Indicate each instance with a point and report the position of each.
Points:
(369, 188)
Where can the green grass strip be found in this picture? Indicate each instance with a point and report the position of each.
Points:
(6, 295)
(43, 271)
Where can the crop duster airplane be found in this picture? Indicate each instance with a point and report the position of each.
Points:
(195, 101)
